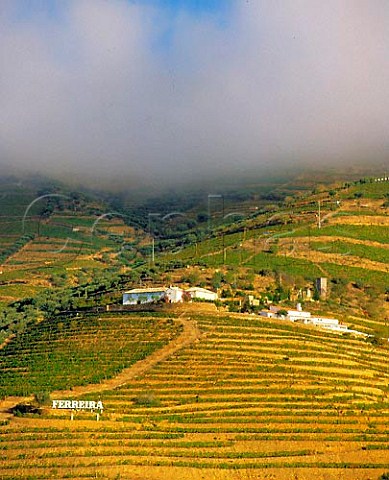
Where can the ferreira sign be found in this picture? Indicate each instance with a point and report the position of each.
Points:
(77, 405)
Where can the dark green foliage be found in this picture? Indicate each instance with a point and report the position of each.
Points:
(192, 278)
(217, 280)
(16, 246)
(22, 409)
(316, 294)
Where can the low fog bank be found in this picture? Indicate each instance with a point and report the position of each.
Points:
(127, 94)
(222, 181)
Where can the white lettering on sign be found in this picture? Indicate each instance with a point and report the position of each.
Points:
(77, 405)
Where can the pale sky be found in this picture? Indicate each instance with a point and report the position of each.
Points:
(173, 89)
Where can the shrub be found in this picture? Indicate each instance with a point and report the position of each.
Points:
(22, 409)
(146, 400)
(42, 398)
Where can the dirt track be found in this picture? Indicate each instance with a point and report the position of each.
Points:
(335, 238)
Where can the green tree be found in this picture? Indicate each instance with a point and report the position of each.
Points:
(217, 280)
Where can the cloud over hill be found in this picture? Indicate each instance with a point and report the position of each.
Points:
(91, 87)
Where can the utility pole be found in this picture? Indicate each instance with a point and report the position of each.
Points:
(211, 195)
(255, 247)
(319, 218)
(152, 254)
(223, 240)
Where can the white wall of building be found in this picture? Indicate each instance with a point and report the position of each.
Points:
(202, 294)
(174, 294)
(140, 297)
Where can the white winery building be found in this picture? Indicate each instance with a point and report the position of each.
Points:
(139, 296)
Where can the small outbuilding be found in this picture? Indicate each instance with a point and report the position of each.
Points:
(199, 293)
(291, 314)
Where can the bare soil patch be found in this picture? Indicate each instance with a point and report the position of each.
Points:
(299, 248)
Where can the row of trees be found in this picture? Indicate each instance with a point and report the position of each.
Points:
(51, 302)
(16, 246)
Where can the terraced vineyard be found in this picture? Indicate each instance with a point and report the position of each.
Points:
(251, 399)
(51, 235)
(344, 238)
(73, 351)
(66, 239)
(13, 202)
